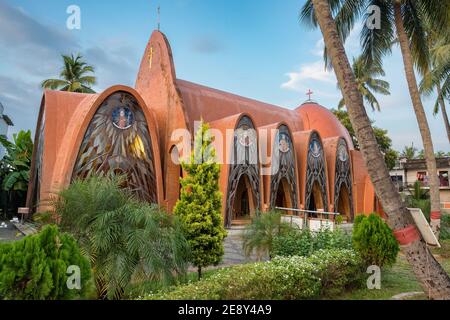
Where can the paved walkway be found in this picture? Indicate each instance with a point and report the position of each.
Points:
(10, 233)
(234, 254)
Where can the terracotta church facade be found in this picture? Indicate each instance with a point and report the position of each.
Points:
(130, 131)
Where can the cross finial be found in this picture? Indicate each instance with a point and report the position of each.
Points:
(309, 94)
(159, 17)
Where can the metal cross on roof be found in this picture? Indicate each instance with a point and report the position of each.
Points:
(309, 94)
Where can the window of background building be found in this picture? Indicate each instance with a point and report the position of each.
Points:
(443, 178)
(422, 177)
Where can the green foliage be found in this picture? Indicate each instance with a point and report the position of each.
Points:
(284, 278)
(260, 234)
(34, 268)
(383, 140)
(419, 198)
(410, 152)
(125, 240)
(73, 76)
(304, 242)
(374, 241)
(445, 227)
(366, 77)
(199, 207)
(15, 166)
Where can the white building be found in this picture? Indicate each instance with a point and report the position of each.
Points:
(5, 122)
(407, 172)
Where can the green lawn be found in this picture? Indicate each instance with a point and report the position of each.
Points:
(398, 279)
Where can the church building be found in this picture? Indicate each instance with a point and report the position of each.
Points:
(309, 162)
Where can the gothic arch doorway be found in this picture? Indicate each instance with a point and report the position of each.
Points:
(283, 184)
(316, 200)
(343, 192)
(316, 196)
(244, 201)
(343, 203)
(283, 195)
(243, 194)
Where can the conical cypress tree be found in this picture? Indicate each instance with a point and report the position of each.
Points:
(199, 207)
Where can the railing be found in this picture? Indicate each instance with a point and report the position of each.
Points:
(306, 212)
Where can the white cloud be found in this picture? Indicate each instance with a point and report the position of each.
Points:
(314, 71)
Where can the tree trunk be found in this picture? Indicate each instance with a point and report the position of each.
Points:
(444, 112)
(435, 218)
(434, 280)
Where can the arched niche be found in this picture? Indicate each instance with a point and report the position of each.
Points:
(283, 182)
(343, 191)
(243, 196)
(316, 181)
(117, 141)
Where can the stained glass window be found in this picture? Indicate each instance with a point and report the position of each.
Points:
(118, 141)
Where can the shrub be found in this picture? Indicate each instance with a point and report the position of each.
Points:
(374, 241)
(304, 242)
(35, 267)
(199, 207)
(324, 273)
(260, 234)
(126, 240)
(445, 227)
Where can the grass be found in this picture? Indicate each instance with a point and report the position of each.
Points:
(398, 279)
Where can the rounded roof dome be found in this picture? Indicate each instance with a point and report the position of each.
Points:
(317, 117)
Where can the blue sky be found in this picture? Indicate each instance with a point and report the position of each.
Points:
(252, 48)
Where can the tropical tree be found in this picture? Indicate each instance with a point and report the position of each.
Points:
(15, 165)
(383, 140)
(126, 241)
(368, 83)
(437, 78)
(402, 22)
(200, 203)
(410, 152)
(73, 77)
(430, 274)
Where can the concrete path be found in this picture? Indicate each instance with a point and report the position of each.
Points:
(10, 233)
(234, 254)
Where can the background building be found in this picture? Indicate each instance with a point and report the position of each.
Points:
(5, 122)
(408, 171)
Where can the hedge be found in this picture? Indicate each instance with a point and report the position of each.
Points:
(326, 272)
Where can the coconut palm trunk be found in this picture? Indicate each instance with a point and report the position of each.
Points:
(432, 277)
(444, 111)
(433, 180)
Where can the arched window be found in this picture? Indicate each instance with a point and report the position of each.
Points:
(117, 141)
(316, 181)
(283, 184)
(343, 192)
(243, 196)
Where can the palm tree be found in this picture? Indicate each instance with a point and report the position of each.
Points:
(438, 77)
(365, 76)
(73, 76)
(433, 278)
(126, 241)
(402, 22)
(410, 152)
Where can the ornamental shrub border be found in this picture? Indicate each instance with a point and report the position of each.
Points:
(325, 273)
